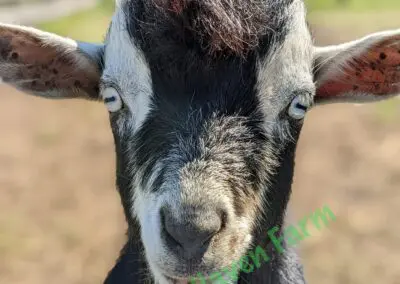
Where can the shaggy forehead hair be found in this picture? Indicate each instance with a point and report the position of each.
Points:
(216, 26)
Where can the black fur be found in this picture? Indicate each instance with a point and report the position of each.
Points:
(163, 33)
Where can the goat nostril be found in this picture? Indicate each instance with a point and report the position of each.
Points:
(208, 239)
(224, 220)
(166, 230)
(171, 240)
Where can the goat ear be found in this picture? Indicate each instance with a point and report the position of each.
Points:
(360, 71)
(48, 65)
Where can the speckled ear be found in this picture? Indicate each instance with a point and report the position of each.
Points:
(363, 70)
(47, 65)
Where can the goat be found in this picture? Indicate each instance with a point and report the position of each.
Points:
(206, 101)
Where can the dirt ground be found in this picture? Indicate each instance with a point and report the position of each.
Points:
(61, 221)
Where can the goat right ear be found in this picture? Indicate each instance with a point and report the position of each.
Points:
(360, 71)
(48, 65)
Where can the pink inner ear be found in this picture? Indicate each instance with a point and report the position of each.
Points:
(376, 72)
(39, 67)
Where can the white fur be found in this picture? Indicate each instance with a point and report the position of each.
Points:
(146, 208)
(287, 71)
(126, 67)
(127, 70)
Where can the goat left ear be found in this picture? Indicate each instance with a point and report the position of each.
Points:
(48, 65)
(364, 70)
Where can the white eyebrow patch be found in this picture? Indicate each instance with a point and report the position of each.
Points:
(287, 69)
(126, 67)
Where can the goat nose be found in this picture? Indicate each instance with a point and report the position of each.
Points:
(191, 235)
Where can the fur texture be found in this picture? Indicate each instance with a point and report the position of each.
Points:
(216, 27)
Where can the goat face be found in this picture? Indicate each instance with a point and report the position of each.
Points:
(201, 132)
(205, 121)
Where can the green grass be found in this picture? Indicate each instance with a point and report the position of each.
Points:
(89, 25)
(388, 111)
(353, 5)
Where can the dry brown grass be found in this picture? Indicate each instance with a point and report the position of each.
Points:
(60, 218)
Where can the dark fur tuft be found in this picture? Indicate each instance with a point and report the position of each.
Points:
(219, 25)
(176, 6)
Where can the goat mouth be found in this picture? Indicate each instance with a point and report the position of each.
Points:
(176, 280)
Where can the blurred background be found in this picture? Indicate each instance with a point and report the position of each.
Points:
(60, 216)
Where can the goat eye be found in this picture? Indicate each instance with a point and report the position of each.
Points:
(298, 107)
(112, 99)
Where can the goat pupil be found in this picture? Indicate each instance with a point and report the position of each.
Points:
(300, 106)
(110, 100)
